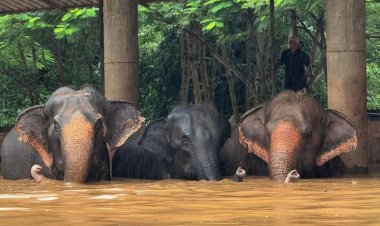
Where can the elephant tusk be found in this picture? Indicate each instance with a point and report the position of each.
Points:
(35, 171)
(239, 175)
(292, 177)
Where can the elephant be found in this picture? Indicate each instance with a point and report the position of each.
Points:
(72, 136)
(293, 131)
(234, 155)
(184, 145)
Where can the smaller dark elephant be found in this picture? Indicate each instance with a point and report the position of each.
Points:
(72, 136)
(184, 145)
(234, 155)
(293, 131)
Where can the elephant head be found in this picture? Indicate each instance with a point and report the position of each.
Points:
(293, 131)
(75, 130)
(189, 140)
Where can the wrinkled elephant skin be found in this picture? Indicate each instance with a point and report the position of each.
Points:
(293, 131)
(183, 145)
(71, 136)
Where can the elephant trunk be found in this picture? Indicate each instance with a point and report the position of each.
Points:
(207, 165)
(209, 172)
(77, 148)
(285, 141)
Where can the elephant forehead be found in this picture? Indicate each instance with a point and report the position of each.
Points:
(70, 109)
(285, 136)
(71, 103)
(180, 122)
(202, 134)
(77, 128)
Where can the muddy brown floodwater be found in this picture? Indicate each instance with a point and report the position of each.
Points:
(256, 201)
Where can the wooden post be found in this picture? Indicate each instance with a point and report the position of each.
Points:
(346, 69)
(121, 50)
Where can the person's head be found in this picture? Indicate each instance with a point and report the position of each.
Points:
(293, 43)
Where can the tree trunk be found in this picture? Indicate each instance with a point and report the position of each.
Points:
(203, 68)
(231, 88)
(184, 70)
(33, 85)
(90, 73)
(249, 92)
(214, 69)
(25, 73)
(59, 62)
(192, 48)
(319, 44)
(293, 22)
(262, 72)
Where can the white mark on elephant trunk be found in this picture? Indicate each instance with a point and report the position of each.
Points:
(239, 175)
(292, 177)
(35, 171)
(77, 145)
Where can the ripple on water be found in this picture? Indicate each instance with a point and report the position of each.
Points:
(47, 198)
(256, 201)
(104, 197)
(13, 209)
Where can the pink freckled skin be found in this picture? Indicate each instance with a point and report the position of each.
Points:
(284, 142)
(293, 131)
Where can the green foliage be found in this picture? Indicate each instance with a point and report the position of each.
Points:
(159, 72)
(31, 44)
(373, 86)
(373, 54)
(73, 21)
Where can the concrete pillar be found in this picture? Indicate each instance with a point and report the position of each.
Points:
(346, 69)
(121, 55)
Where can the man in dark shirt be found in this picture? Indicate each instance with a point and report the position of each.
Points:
(295, 61)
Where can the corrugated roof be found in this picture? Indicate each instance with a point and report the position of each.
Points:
(18, 6)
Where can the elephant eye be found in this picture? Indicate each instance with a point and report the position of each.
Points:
(98, 125)
(306, 135)
(56, 125)
(99, 129)
(185, 142)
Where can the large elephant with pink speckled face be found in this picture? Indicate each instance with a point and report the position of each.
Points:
(72, 136)
(293, 131)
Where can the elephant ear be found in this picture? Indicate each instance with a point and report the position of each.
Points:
(156, 139)
(340, 137)
(31, 125)
(123, 121)
(252, 133)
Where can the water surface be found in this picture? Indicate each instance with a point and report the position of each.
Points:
(256, 201)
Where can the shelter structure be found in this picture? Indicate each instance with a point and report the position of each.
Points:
(120, 42)
(345, 54)
(346, 69)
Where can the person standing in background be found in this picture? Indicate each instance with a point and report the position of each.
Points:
(295, 61)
